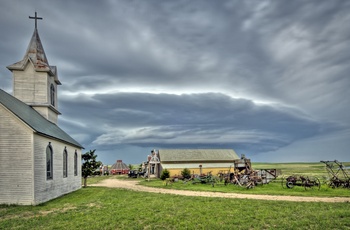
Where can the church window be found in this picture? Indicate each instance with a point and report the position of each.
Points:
(65, 163)
(49, 164)
(75, 163)
(52, 94)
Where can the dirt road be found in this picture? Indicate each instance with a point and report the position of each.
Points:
(133, 185)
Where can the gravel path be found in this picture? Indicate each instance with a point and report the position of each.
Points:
(133, 185)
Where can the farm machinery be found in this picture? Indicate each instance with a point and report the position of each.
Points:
(205, 179)
(244, 175)
(302, 181)
(338, 174)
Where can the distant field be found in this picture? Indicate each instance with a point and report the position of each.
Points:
(313, 169)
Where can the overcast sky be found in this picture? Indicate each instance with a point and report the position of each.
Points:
(269, 79)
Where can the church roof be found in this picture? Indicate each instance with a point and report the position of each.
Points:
(36, 55)
(197, 155)
(34, 120)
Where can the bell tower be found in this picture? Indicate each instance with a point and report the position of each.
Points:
(34, 80)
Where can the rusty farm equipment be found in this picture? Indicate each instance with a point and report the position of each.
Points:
(338, 174)
(244, 175)
(302, 181)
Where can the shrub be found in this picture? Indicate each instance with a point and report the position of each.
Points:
(186, 173)
(165, 174)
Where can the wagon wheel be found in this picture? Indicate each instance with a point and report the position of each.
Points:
(310, 184)
(290, 184)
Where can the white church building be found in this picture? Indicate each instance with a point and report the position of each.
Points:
(38, 160)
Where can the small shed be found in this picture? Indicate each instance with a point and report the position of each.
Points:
(119, 168)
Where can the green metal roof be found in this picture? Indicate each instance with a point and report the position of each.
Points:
(33, 119)
(197, 155)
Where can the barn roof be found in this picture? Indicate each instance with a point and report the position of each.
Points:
(119, 165)
(34, 120)
(197, 155)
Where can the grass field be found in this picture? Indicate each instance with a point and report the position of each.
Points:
(106, 208)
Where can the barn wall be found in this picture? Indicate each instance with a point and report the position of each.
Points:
(214, 171)
(16, 160)
(48, 189)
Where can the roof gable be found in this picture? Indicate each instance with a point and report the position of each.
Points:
(34, 120)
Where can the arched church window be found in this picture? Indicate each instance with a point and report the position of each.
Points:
(65, 162)
(52, 94)
(49, 163)
(75, 163)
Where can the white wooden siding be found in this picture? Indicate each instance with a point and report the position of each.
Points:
(33, 88)
(23, 164)
(16, 157)
(48, 189)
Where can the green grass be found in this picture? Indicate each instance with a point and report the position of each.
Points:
(106, 208)
(273, 188)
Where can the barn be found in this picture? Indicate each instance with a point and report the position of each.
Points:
(38, 160)
(198, 161)
(119, 167)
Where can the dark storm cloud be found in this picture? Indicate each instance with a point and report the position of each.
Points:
(254, 75)
(200, 120)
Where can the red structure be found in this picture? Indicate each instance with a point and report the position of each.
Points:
(119, 168)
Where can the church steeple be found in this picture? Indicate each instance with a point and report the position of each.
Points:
(35, 81)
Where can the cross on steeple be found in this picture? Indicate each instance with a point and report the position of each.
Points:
(35, 18)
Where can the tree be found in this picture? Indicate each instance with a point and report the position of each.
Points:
(186, 173)
(89, 165)
(131, 167)
(165, 174)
